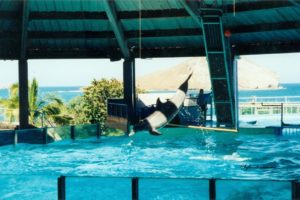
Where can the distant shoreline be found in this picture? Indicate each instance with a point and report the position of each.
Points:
(258, 89)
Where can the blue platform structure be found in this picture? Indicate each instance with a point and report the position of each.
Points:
(118, 29)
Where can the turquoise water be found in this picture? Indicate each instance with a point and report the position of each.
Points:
(179, 153)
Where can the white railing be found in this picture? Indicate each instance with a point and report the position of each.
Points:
(278, 99)
(269, 108)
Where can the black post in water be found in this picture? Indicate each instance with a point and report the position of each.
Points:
(281, 114)
(15, 137)
(212, 189)
(98, 131)
(135, 188)
(45, 135)
(72, 132)
(295, 190)
(61, 188)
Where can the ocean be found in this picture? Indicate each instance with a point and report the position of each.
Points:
(66, 93)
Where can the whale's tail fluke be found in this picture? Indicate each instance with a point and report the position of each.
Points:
(184, 86)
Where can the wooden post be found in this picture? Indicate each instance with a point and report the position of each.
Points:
(129, 88)
(135, 188)
(23, 94)
(61, 188)
(23, 69)
(295, 190)
(98, 131)
(45, 135)
(72, 128)
(281, 114)
(15, 137)
(212, 189)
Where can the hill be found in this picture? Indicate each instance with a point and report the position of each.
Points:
(250, 76)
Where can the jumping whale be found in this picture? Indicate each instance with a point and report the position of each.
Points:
(164, 112)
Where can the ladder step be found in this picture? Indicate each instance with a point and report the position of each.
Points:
(222, 102)
(211, 23)
(215, 52)
(219, 78)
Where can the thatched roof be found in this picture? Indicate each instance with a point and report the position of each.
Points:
(251, 76)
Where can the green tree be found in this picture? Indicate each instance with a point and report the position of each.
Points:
(75, 109)
(91, 107)
(95, 98)
(11, 104)
(49, 110)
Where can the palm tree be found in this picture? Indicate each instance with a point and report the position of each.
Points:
(11, 104)
(49, 110)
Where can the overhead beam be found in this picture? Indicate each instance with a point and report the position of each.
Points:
(9, 15)
(256, 6)
(71, 53)
(102, 15)
(264, 27)
(116, 27)
(104, 34)
(255, 28)
(190, 9)
(295, 3)
(165, 13)
(256, 48)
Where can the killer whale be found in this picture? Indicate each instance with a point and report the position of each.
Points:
(164, 112)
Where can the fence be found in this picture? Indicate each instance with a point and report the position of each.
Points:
(278, 99)
(49, 134)
(174, 188)
(117, 108)
(92, 187)
(269, 108)
(287, 130)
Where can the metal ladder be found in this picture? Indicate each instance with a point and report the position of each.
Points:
(220, 67)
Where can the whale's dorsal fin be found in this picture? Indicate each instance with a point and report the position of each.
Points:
(158, 104)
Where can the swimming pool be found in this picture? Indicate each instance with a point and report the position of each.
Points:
(178, 153)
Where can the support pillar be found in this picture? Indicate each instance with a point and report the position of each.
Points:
(23, 94)
(129, 88)
(23, 68)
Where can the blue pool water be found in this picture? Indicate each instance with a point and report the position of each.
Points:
(179, 153)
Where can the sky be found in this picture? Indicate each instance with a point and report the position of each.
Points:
(80, 72)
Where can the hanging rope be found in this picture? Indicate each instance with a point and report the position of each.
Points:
(140, 28)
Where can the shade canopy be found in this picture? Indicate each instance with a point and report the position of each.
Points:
(142, 28)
